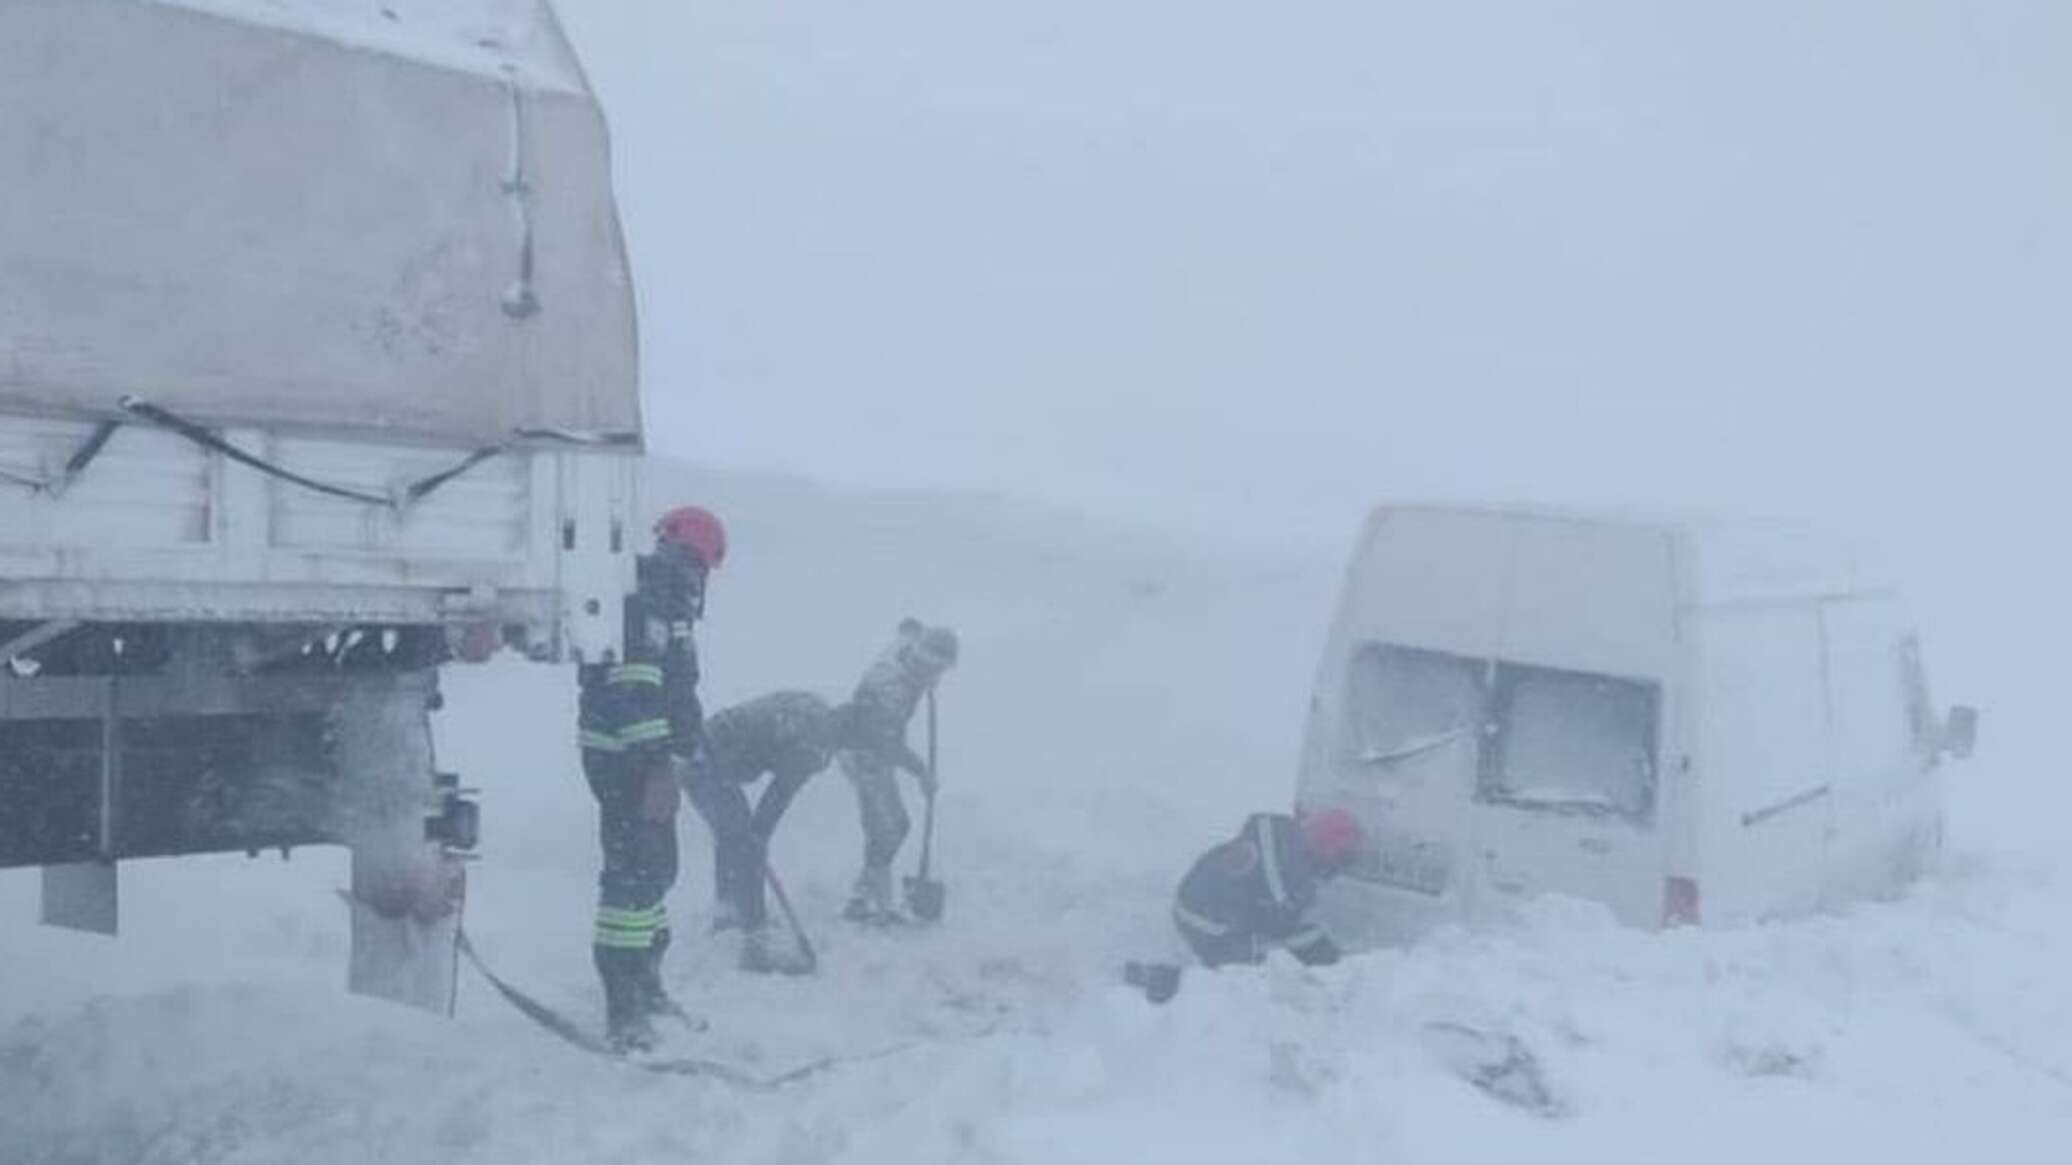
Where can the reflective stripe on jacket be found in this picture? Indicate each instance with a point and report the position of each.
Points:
(648, 703)
(1260, 884)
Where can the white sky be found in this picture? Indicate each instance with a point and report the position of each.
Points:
(1793, 256)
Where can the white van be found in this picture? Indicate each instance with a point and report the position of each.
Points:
(1685, 721)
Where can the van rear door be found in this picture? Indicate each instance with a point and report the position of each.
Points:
(1567, 794)
(1480, 778)
(1412, 720)
(1567, 788)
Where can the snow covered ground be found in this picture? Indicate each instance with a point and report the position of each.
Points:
(1126, 697)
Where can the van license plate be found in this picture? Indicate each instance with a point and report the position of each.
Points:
(1406, 863)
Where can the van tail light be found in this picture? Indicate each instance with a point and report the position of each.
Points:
(1679, 902)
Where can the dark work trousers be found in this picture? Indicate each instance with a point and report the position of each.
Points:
(1215, 942)
(640, 860)
(739, 849)
(639, 867)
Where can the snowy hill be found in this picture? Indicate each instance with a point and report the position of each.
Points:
(1126, 695)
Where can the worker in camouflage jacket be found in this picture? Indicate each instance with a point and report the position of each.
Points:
(883, 705)
(1255, 892)
(790, 737)
(639, 717)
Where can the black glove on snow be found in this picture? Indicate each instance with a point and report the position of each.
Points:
(1159, 981)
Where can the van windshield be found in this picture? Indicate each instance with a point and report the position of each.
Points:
(1571, 741)
(1407, 702)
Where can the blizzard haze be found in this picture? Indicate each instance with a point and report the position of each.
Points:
(1255, 270)
(1337, 250)
(1092, 330)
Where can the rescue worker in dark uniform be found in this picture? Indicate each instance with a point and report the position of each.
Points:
(1255, 892)
(791, 736)
(637, 714)
(884, 702)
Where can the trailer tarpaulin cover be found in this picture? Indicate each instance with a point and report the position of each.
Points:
(348, 214)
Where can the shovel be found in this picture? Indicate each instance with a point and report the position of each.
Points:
(791, 916)
(924, 895)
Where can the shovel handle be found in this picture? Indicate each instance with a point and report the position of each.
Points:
(791, 916)
(928, 811)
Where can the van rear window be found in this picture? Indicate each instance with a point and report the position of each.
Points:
(1406, 703)
(1571, 742)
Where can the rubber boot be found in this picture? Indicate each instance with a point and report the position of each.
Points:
(871, 899)
(654, 998)
(627, 1026)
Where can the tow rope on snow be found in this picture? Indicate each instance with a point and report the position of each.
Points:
(576, 1035)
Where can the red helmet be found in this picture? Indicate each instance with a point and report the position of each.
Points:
(1332, 835)
(696, 530)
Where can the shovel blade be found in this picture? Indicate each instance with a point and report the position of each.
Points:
(924, 898)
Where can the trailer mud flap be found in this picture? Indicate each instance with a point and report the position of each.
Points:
(406, 923)
(81, 896)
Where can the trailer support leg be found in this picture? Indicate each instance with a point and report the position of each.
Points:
(407, 886)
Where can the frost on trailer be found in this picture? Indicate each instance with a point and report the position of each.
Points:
(317, 368)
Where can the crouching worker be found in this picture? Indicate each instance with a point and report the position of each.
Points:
(790, 736)
(1255, 892)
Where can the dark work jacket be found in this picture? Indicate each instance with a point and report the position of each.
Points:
(1256, 891)
(789, 735)
(647, 705)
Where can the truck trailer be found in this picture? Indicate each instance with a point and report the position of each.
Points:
(317, 372)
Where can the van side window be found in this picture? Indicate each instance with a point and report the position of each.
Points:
(1571, 742)
(1404, 703)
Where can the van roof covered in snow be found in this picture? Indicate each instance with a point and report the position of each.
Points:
(392, 216)
(1603, 593)
(1729, 559)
